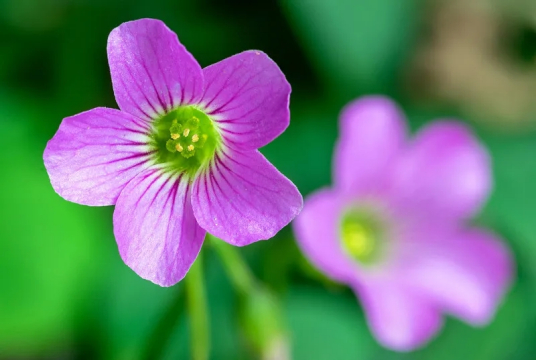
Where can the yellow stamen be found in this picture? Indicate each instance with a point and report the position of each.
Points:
(190, 148)
(179, 147)
(186, 132)
(195, 138)
(175, 136)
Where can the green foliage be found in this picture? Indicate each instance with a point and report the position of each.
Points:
(49, 248)
(355, 45)
(327, 326)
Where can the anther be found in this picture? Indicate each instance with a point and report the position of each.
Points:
(186, 132)
(190, 148)
(179, 147)
(195, 138)
(175, 136)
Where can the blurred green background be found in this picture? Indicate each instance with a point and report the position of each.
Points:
(64, 291)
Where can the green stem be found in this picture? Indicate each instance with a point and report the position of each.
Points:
(159, 338)
(236, 268)
(259, 312)
(198, 311)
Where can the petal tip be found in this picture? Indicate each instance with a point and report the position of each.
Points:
(243, 198)
(371, 103)
(151, 272)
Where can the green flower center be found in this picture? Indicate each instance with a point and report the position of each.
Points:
(362, 236)
(186, 139)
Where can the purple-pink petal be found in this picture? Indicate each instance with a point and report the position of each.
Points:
(317, 234)
(155, 228)
(242, 198)
(444, 174)
(248, 96)
(372, 133)
(93, 155)
(400, 319)
(466, 274)
(151, 70)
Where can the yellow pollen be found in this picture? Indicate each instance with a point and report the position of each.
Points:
(175, 136)
(186, 132)
(179, 147)
(358, 241)
(190, 147)
(362, 237)
(195, 138)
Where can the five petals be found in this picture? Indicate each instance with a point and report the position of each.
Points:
(103, 157)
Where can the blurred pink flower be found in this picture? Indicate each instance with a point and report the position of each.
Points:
(180, 158)
(393, 226)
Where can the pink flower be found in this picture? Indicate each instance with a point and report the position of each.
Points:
(393, 226)
(180, 158)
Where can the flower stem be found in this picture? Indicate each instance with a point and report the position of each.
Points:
(198, 311)
(236, 268)
(260, 314)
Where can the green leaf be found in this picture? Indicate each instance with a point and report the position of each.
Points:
(354, 44)
(326, 326)
(50, 252)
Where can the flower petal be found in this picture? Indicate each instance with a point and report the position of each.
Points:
(152, 72)
(242, 198)
(399, 318)
(93, 155)
(155, 228)
(372, 134)
(466, 275)
(248, 96)
(317, 234)
(445, 174)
